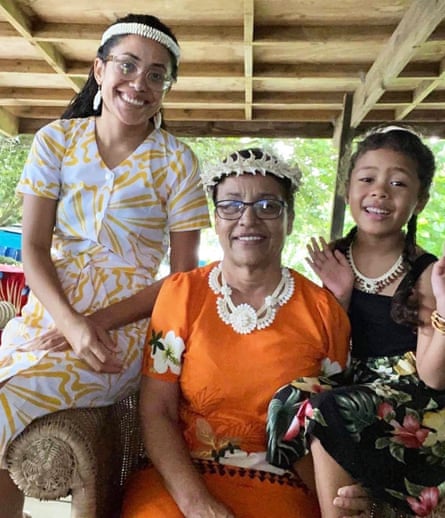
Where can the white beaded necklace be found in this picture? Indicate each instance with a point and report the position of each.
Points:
(376, 284)
(243, 318)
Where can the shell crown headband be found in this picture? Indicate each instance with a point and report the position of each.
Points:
(236, 164)
(146, 31)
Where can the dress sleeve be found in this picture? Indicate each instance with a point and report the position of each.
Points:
(41, 174)
(187, 203)
(168, 330)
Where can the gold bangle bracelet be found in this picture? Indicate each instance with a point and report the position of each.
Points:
(438, 322)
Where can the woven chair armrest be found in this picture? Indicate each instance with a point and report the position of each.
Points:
(56, 453)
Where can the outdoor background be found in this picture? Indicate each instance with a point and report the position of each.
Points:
(316, 157)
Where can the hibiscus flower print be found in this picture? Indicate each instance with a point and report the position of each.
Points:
(425, 502)
(410, 434)
(166, 352)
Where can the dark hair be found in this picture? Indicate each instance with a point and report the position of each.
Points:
(405, 140)
(287, 187)
(81, 105)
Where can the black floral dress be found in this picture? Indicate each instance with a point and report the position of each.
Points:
(383, 425)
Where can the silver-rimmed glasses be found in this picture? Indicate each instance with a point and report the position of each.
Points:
(129, 69)
(263, 209)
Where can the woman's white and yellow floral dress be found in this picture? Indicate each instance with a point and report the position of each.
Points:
(110, 236)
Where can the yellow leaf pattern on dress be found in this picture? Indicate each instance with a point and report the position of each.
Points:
(110, 236)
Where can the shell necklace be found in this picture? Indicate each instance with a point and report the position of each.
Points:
(376, 284)
(244, 318)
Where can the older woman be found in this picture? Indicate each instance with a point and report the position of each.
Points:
(222, 339)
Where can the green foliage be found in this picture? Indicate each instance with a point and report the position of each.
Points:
(13, 153)
(313, 209)
(314, 203)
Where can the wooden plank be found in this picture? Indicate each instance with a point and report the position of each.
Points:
(421, 93)
(248, 56)
(9, 124)
(419, 21)
(23, 26)
(344, 153)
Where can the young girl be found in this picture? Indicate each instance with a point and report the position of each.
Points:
(387, 433)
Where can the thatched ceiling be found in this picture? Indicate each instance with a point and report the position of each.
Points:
(249, 67)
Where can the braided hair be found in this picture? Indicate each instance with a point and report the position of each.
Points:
(402, 139)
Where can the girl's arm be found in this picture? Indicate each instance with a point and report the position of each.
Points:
(430, 353)
(168, 451)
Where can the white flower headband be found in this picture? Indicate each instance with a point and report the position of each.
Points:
(236, 164)
(140, 29)
(393, 127)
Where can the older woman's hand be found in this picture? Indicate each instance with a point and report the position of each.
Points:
(353, 498)
(208, 508)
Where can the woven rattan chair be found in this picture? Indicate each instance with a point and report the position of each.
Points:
(87, 453)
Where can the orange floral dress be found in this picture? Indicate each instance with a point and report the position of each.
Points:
(226, 381)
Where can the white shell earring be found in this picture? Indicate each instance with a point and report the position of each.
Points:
(97, 99)
(157, 119)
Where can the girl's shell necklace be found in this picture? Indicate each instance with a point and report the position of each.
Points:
(376, 284)
(243, 318)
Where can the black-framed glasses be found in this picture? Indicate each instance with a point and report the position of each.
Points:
(264, 209)
(129, 69)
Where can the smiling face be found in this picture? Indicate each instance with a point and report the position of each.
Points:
(249, 240)
(132, 102)
(383, 191)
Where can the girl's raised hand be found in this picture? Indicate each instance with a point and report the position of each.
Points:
(332, 268)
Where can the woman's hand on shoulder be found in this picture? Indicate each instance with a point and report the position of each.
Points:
(332, 268)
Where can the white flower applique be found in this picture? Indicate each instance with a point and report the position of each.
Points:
(329, 368)
(166, 352)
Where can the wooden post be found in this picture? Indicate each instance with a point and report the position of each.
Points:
(344, 152)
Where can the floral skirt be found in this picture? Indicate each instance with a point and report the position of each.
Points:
(383, 425)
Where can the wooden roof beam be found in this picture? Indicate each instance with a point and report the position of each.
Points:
(22, 24)
(248, 56)
(420, 20)
(421, 92)
(9, 124)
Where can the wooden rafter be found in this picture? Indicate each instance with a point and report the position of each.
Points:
(248, 56)
(23, 26)
(419, 21)
(425, 88)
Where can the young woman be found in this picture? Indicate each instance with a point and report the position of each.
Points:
(106, 192)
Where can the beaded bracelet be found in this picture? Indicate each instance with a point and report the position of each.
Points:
(438, 322)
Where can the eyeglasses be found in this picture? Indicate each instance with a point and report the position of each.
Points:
(129, 69)
(263, 209)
